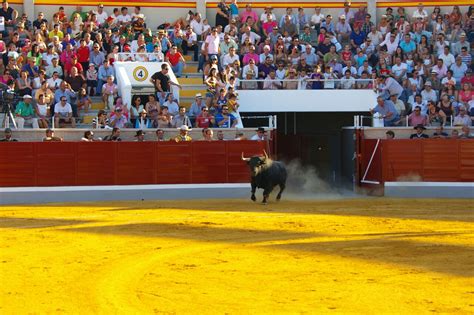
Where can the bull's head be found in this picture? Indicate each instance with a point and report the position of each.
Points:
(256, 163)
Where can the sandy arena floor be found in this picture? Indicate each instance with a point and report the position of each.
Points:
(232, 256)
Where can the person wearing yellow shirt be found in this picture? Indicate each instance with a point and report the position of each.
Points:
(183, 134)
(56, 32)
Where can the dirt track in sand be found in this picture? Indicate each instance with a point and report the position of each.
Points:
(350, 256)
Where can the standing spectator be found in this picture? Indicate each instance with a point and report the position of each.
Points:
(183, 134)
(162, 83)
(419, 133)
(114, 136)
(223, 13)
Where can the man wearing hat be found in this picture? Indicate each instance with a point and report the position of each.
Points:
(196, 107)
(183, 134)
(420, 129)
(260, 134)
(25, 113)
(8, 136)
(140, 135)
(428, 94)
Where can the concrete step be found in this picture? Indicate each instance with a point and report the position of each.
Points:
(190, 68)
(98, 105)
(191, 93)
(193, 81)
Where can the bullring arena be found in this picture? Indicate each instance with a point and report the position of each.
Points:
(233, 256)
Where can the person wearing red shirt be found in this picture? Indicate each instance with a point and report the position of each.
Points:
(83, 54)
(176, 60)
(73, 63)
(204, 119)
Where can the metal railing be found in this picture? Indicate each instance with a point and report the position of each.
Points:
(361, 121)
(306, 84)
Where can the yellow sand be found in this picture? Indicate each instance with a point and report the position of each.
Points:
(367, 256)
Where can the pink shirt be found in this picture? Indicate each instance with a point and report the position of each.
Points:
(249, 56)
(213, 44)
(246, 14)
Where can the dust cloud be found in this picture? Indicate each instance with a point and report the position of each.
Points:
(304, 183)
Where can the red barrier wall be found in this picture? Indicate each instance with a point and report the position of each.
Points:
(124, 163)
(430, 160)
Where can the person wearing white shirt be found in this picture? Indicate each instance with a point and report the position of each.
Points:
(399, 69)
(420, 13)
(253, 37)
(230, 58)
(347, 82)
(252, 68)
(124, 18)
(448, 58)
(272, 82)
(375, 36)
(100, 14)
(263, 16)
(196, 24)
(317, 18)
(391, 42)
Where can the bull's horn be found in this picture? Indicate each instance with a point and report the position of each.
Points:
(244, 158)
(265, 153)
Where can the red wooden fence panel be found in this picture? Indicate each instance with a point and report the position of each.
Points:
(431, 160)
(124, 163)
(466, 160)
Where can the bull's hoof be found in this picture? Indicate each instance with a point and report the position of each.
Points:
(264, 203)
(253, 198)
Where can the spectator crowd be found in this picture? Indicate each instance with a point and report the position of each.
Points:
(420, 63)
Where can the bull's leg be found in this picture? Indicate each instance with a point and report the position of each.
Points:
(266, 193)
(282, 187)
(254, 187)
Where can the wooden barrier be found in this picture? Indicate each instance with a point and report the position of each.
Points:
(25, 164)
(429, 160)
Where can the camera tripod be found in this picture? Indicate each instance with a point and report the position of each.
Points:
(8, 116)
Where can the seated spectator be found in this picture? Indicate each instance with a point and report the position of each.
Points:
(118, 119)
(88, 136)
(25, 113)
(348, 82)
(43, 113)
(164, 118)
(172, 105)
(291, 82)
(176, 60)
(224, 119)
(419, 133)
(387, 110)
(417, 117)
(181, 119)
(249, 85)
(183, 134)
(63, 114)
(207, 134)
(50, 137)
(204, 119)
(8, 136)
(272, 82)
(428, 94)
(83, 100)
(142, 122)
(436, 117)
(101, 121)
(114, 136)
(153, 109)
(462, 119)
(109, 92)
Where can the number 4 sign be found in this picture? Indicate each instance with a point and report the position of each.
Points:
(140, 74)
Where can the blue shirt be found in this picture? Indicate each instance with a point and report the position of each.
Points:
(227, 124)
(358, 38)
(67, 93)
(408, 47)
(104, 73)
(388, 107)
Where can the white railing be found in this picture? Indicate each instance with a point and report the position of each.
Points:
(141, 57)
(305, 84)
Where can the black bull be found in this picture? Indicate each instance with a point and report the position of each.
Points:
(266, 174)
